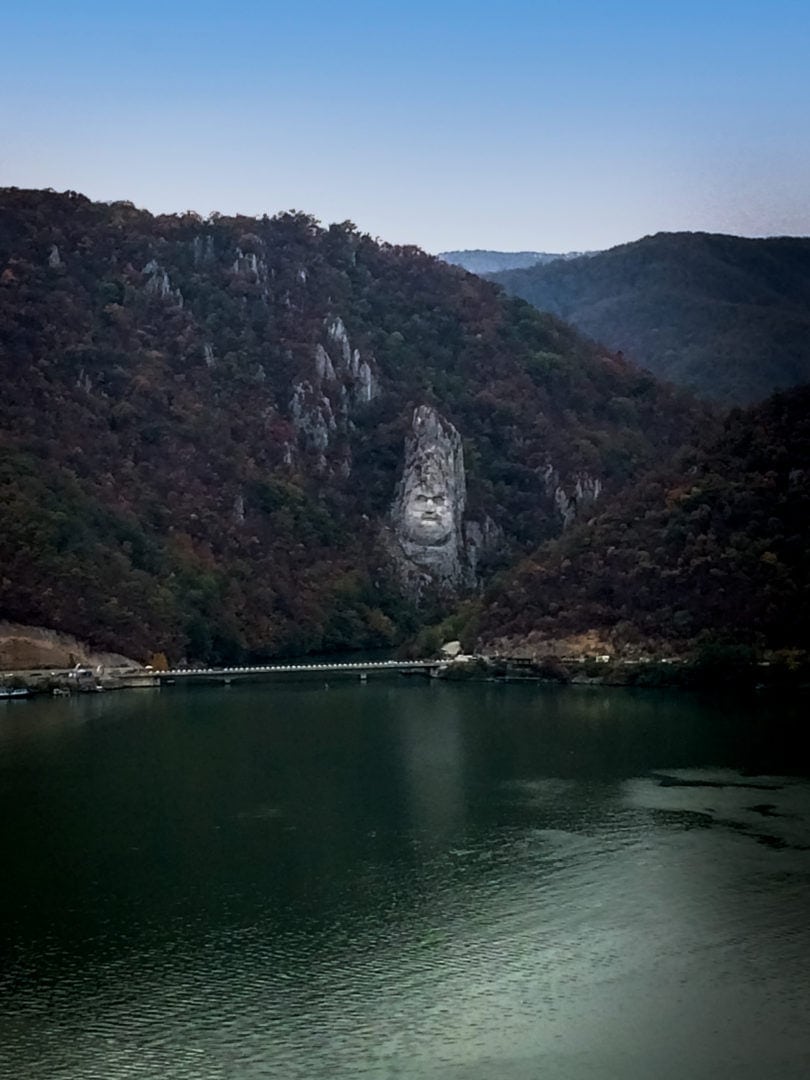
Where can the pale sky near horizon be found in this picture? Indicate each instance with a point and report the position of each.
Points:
(550, 125)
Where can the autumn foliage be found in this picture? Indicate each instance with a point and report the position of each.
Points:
(155, 494)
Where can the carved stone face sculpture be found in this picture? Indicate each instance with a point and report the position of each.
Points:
(429, 507)
(427, 510)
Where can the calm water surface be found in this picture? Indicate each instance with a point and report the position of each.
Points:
(403, 880)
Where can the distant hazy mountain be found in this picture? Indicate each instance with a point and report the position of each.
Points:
(491, 262)
(726, 316)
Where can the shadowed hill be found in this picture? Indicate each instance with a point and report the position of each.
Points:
(725, 316)
(716, 546)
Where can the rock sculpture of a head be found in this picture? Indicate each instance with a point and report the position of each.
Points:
(429, 506)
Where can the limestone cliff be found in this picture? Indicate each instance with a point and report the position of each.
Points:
(158, 283)
(570, 498)
(321, 407)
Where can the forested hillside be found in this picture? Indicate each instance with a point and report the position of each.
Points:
(203, 423)
(725, 316)
(714, 546)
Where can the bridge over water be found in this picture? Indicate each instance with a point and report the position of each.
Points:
(231, 674)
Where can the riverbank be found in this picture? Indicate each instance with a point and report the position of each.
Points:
(715, 668)
(59, 682)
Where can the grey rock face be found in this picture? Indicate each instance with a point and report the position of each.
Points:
(54, 259)
(159, 284)
(323, 365)
(203, 249)
(84, 382)
(312, 416)
(428, 511)
(366, 387)
(480, 538)
(337, 334)
(321, 407)
(571, 498)
(250, 265)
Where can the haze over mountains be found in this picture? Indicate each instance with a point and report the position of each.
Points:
(725, 316)
(479, 261)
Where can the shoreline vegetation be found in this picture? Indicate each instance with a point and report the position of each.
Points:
(711, 667)
(210, 432)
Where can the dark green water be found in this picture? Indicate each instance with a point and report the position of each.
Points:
(403, 880)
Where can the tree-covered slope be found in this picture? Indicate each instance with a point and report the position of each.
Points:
(717, 546)
(726, 316)
(202, 423)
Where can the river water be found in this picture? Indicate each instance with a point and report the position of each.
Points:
(406, 880)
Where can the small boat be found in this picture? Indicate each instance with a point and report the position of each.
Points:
(9, 692)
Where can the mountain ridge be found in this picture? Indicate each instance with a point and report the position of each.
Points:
(205, 422)
(484, 261)
(726, 316)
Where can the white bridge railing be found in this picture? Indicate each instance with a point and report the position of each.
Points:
(271, 669)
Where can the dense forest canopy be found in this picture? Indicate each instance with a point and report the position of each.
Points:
(203, 422)
(726, 316)
(713, 547)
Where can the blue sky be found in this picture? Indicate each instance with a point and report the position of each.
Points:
(551, 125)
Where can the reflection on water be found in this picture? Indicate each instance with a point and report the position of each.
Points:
(402, 880)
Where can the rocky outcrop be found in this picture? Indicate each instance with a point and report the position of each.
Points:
(324, 368)
(250, 266)
(353, 370)
(84, 382)
(312, 416)
(366, 387)
(203, 249)
(321, 407)
(573, 496)
(481, 538)
(336, 332)
(159, 284)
